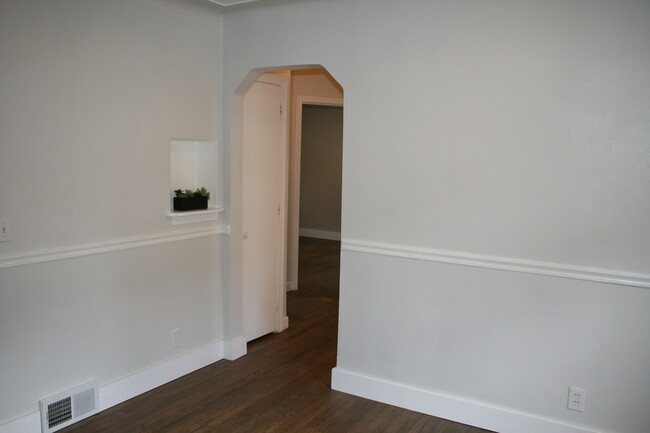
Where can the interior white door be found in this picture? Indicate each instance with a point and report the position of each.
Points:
(261, 209)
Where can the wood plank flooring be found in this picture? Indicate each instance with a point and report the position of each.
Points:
(281, 385)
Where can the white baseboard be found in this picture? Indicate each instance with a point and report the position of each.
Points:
(143, 381)
(26, 424)
(320, 234)
(285, 322)
(235, 348)
(457, 409)
(133, 385)
(291, 286)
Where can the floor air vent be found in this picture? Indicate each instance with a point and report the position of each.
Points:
(59, 412)
(68, 407)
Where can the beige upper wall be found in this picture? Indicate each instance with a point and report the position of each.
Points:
(314, 82)
(489, 94)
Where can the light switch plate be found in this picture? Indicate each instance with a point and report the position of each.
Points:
(176, 338)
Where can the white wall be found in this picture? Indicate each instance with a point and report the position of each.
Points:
(515, 131)
(91, 94)
(320, 168)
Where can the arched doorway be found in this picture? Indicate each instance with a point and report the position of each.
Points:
(288, 174)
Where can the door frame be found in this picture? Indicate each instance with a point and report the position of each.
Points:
(294, 193)
(281, 80)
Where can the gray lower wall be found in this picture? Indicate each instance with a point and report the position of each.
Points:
(103, 317)
(512, 340)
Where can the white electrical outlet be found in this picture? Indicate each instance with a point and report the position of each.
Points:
(577, 398)
(5, 230)
(176, 338)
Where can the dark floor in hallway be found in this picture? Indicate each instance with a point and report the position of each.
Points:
(281, 385)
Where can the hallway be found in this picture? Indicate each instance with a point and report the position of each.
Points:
(281, 385)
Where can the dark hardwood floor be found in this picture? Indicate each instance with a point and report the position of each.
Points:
(281, 385)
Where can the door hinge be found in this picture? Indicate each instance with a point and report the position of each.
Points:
(280, 108)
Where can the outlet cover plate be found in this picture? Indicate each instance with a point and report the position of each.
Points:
(577, 399)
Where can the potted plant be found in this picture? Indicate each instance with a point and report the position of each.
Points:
(191, 199)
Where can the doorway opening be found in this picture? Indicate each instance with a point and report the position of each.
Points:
(315, 198)
(308, 94)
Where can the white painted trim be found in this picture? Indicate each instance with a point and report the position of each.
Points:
(30, 423)
(294, 188)
(478, 414)
(284, 202)
(80, 250)
(282, 81)
(500, 263)
(235, 348)
(320, 234)
(138, 383)
(232, 3)
(153, 377)
(285, 322)
(196, 216)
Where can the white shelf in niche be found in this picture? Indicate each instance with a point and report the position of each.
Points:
(194, 165)
(195, 216)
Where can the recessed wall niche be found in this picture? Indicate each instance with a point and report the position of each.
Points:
(194, 165)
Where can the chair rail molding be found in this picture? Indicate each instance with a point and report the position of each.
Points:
(86, 249)
(500, 263)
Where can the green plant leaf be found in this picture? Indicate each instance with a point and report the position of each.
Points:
(199, 192)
